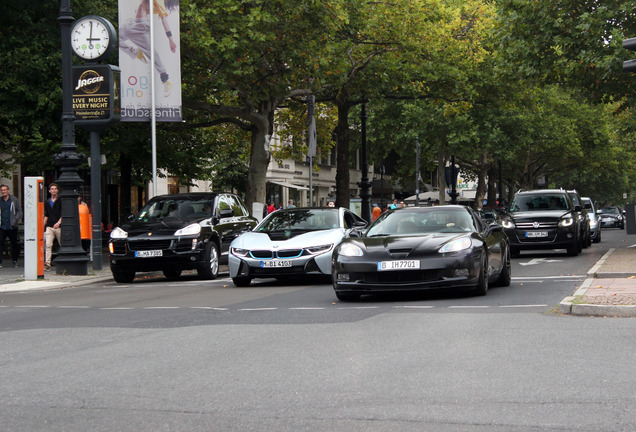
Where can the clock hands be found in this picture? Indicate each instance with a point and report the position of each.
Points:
(90, 37)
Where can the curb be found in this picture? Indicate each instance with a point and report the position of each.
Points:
(570, 305)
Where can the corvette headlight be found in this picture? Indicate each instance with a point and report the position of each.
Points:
(193, 229)
(239, 252)
(118, 233)
(508, 224)
(315, 250)
(565, 222)
(349, 249)
(456, 245)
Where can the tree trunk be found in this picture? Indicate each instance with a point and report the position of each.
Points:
(342, 155)
(481, 182)
(441, 175)
(259, 157)
(493, 182)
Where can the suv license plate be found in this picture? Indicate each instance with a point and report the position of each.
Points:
(148, 253)
(276, 263)
(536, 234)
(398, 265)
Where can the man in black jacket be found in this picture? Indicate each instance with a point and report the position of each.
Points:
(10, 215)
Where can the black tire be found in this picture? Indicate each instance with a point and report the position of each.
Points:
(505, 277)
(482, 283)
(172, 274)
(573, 249)
(242, 281)
(210, 267)
(123, 276)
(347, 297)
(598, 238)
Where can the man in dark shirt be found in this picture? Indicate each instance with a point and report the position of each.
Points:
(52, 223)
(10, 215)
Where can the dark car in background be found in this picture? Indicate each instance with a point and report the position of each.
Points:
(172, 233)
(612, 217)
(583, 219)
(543, 219)
(593, 219)
(420, 248)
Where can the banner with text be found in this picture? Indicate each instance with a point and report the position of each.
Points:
(134, 60)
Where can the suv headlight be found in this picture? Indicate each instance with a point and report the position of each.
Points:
(508, 224)
(193, 229)
(566, 221)
(118, 233)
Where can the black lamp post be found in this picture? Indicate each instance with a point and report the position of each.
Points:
(364, 183)
(71, 258)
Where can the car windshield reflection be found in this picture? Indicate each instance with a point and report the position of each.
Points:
(434, 220)
(170, 209)
(301, 220)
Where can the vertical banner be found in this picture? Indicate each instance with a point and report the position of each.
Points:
(134, 60)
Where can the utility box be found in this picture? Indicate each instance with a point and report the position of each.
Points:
(630, 218)
(34, 197)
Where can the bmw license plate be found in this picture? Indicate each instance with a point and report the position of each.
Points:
(148, 253)
(536, 234)
(276, 263)
(398, 265)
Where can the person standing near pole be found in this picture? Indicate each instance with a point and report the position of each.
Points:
(10, 215)
(52, 223)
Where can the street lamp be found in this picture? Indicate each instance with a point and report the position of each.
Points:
(364, 183)
(71, 258)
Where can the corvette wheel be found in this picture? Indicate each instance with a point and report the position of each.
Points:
(482, 282)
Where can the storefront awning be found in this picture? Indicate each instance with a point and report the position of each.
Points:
(288, 185)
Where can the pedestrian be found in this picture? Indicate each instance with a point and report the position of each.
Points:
(377, 211)
(52, 223)
(271, 208)
(290, 204)
(394, 205)
(10, 215)
(85, 223)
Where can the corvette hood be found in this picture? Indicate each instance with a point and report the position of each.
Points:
(396, 245)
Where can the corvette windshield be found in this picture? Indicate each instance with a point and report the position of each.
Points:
(415, 222)
(301, 219)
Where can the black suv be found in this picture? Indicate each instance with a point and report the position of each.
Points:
(178, 232)
(543, 219)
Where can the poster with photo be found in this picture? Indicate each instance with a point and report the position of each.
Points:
(134, 60)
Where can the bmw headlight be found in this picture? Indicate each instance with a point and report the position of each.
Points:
(315, 250)
(508, 224)
(566, 221)
(118, 233)
(349, 249)
(193, 229)
(239, 252)
(456, 245)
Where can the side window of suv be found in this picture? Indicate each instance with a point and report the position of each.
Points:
(235, 205)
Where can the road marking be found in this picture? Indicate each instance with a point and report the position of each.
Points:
(73, 307)
(549, 277)
(161, 307)
(33, 306)
(523, 306)
(257, 309)
(208, 308)
(359, 307)
(536, 261)
(307, 308)
(116, 308)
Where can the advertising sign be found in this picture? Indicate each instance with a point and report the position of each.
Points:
(96, 101)
(135, 58)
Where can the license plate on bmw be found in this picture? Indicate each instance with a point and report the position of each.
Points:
(276, 263)
(398, 265)
(148, 253)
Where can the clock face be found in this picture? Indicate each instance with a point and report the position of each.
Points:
(91, 37)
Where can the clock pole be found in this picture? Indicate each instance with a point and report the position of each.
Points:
(71, 258)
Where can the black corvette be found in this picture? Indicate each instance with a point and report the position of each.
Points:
(416, 248)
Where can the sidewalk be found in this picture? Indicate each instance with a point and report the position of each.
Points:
(610, 287)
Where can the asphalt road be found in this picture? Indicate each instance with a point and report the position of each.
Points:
(161, 355)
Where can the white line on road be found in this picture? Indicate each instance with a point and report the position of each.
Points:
(523, 306)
